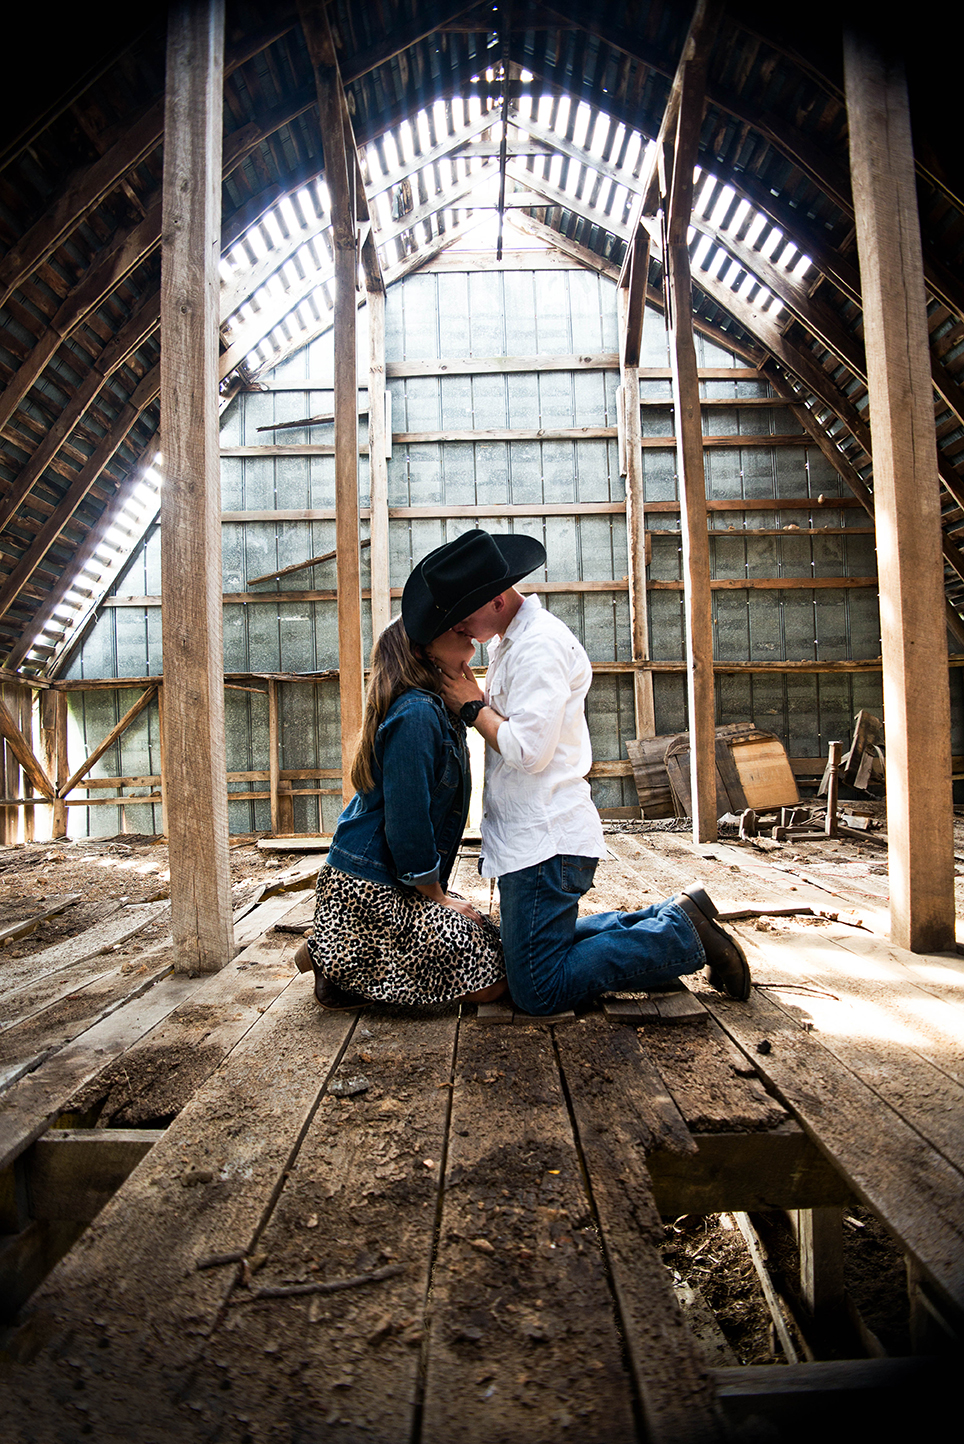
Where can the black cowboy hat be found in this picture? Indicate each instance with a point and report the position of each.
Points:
(456, 579)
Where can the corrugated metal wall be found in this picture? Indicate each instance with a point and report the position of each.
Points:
(454, 315)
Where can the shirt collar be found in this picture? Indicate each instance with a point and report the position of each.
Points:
(530, 606)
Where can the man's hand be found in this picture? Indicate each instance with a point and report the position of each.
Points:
(460, 687)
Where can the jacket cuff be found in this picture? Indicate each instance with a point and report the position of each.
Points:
(420, 879)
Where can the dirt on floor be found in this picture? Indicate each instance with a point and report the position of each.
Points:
(707, 1256)
(92, 879)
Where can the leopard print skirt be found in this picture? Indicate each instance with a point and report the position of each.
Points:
(393, 945)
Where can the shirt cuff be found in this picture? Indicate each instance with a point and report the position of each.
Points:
(421, 879)
(509, 749)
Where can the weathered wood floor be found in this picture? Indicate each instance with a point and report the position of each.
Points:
(485, 1200)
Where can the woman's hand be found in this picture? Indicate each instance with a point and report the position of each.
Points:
(463, 907)
(433, 891)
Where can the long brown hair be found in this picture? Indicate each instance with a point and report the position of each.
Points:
(397, 665)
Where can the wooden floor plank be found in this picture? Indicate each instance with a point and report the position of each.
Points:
(902, 1042)
(25, 926)
(710, 1081)
(127, 1311)
(523, 1342)
(31, 1104)
(606, 1088)
(23, 973)
(230, 999)
(97, 973)
(894, 1171)
(362, 1195)
(24, 1046)
(160, 1073)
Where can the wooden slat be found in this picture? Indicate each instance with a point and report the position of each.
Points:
(613, 1098)
(44, 1027)
(23, 977)
(23, 752)
(194, 742)
(532, 1244)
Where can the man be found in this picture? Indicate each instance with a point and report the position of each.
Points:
(541, 834)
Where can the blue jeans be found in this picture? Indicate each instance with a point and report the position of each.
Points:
(555, 959)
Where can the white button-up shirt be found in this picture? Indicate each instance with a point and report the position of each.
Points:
(537, 803)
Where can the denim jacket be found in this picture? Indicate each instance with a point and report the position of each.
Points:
(408, 828)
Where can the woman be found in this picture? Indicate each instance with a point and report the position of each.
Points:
(386, 929)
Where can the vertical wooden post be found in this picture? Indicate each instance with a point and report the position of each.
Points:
(906, 501)
(195, 770)
(820, 1238)
(160, 738)
(341, 177)
(26, 727)
(6, 782)
(351, 667)
(11, 775)
(273, 759)
(379, 447)
(644, 706)
(53, 730)
(675, 164)
(696, 545)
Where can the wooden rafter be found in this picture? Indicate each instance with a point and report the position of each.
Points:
(145, 395)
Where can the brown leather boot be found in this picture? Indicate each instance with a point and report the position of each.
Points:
(336, 999)
(726, 969)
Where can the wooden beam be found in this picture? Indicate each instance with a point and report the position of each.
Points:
(638, 252)
(82, 193)
(194, 743)
(815, 315)
(116, 731)
(23, 752)
(502, 365)
(820, 1239)
(273, 754)
(341, 175)
(53, 729)
(300, 566)
(26, 728)
(764, 330)
(125, 252)
(701, 697)
(907, 501)
(379, 450)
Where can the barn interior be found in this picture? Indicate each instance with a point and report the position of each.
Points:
(289, 296)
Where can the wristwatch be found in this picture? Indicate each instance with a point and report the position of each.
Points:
(470, 711)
